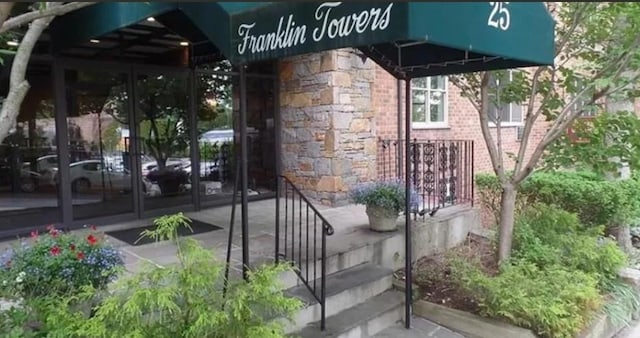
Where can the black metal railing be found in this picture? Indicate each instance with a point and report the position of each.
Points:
(441, 171)
(301, 239)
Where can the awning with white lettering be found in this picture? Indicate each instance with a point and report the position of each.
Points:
(406, 38)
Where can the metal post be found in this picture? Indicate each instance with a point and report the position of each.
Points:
(244, 176)
(407, 217)
(398, 152)
(277, 253)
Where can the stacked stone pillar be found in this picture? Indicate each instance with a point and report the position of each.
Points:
(328, 123)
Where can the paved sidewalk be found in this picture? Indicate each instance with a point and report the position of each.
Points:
(421, 328)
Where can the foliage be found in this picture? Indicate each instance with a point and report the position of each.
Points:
(623, 303)
(608, 135)
(547, 236)
(553, 302)
(182, 300)
(595, 200)
(556, 278)
(58, 263)
(597, 57)
(388, 194)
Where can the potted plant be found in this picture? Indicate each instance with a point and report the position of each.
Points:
(384, 201)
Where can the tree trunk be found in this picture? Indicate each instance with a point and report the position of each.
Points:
(507, 220)
(622, 233)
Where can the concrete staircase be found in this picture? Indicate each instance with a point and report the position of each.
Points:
(360, 299)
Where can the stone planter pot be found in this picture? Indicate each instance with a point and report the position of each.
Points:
(382, 220)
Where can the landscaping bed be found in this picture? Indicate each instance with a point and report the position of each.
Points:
(562, 281)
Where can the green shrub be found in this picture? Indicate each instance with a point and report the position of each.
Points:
(182, 300)
(553, 302)
(546, 236)
(596, 201)
(58, 263)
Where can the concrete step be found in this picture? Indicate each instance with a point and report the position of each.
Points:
(363, 320)
(355, 247)
(344, 289)
(420, 328)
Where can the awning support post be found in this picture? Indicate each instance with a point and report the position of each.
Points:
(244, 176)
(408, 278)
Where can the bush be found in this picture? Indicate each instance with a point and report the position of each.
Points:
(388, 195)
(596, 201)
(553, 302)
(58, 263)
(182, 300)
(547, 236)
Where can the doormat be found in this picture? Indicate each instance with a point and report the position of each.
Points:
(130, 236)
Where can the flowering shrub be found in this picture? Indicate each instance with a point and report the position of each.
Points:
(59, 263)
(389, 195)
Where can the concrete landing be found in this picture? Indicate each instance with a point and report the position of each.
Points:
(421, 328)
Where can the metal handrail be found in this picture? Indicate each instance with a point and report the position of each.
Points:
(311, 220)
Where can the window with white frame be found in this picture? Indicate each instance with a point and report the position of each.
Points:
(429, 102)
(509, 113)
(582, 101)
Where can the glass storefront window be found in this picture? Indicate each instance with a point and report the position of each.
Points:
(98, 128)
(27, 197)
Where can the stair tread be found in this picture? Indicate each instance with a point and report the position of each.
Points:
(355, 316)
(341, 281)
(420, 328)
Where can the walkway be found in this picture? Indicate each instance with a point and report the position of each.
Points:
(421, 328)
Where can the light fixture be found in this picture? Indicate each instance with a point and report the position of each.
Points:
(151, 19)
(184, 43)
(12, 43)
(94, 41)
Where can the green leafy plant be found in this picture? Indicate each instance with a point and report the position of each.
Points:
(553, 302)
(181, 300)
(547, 236)
(388, 195)
(595, 200)
(58, 263)
(623, 303)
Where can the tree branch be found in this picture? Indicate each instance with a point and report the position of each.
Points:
(483, 113)
(530, 119)
(49, 11)
(576, 19)
(18, 85)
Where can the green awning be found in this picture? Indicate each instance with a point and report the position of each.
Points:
(406, 38)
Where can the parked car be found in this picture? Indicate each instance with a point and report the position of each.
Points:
(89, 174)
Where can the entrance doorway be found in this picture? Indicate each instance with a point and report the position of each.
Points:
(145, 140)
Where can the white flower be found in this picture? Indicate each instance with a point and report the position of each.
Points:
(4, 283)
(19, 279)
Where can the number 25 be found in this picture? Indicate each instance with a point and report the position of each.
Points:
(499, 17)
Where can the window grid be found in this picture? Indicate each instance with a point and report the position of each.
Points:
(429, 101)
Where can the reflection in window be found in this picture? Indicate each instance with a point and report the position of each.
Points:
(97, 124)
(28, 195)
(507, 112)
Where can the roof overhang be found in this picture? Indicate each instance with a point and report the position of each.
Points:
(408, 39)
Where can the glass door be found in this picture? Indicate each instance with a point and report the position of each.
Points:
(99, 148)
(163, 129)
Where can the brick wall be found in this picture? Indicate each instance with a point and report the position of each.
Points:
(462, 120)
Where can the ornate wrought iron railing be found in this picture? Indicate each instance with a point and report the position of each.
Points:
(441, 171)
(301, 239)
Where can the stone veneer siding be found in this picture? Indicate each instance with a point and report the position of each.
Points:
(328, 123)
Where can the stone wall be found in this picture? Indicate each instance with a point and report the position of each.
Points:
(328, 123)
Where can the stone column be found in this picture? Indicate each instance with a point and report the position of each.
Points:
(328, 127)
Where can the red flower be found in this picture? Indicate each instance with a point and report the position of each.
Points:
(55, 251)
(54, 233)
(80, 255)
(34, 234)
(72, 247)
(92, 239)
(93, 227)
(50, 227)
